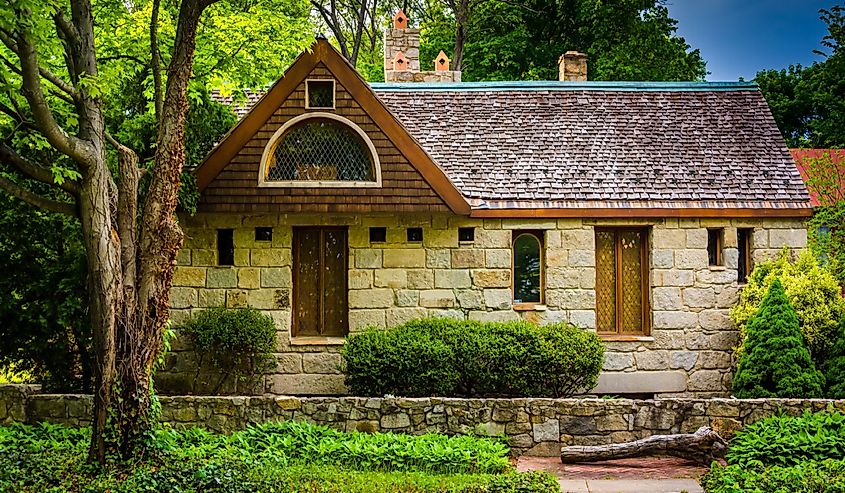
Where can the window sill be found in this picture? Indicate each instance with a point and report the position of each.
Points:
(317, 341)
(529, 307)
(625, 338)
(717, 267)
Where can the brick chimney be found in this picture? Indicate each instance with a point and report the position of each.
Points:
(404, 42)
(573, 67)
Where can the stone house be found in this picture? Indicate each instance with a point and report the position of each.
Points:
(632, 209)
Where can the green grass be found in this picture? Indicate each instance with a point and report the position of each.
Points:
(275, 457)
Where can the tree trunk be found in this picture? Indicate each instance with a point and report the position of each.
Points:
(704, 446)
(104, 275)
(149, 261)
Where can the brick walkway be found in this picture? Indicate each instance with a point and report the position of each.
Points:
(643, 475)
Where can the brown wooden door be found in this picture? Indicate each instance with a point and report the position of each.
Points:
(319, 282)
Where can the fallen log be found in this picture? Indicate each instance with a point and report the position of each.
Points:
(704, 446)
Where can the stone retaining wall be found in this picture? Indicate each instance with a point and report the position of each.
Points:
(533, 426)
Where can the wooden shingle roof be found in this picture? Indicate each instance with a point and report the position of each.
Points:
(560, 149)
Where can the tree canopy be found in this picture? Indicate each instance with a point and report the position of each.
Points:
(808, 103)
(522, 40)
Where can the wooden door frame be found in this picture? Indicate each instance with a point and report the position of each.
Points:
(294, 273)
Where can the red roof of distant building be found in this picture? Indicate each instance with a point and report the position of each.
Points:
(838, 156)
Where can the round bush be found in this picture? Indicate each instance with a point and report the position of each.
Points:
(237, 342)
(448, 357)
(834, 366)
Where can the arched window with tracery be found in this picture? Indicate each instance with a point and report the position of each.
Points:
(320, 149)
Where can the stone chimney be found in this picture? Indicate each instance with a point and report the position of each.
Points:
(573, 67)
(403, 43)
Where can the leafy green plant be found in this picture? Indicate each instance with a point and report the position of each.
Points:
(468, 358)
(807, 477)
(783, 440)
(275, 457)
(834, 366)
(776, 362)
(237, 342)
(812, 291)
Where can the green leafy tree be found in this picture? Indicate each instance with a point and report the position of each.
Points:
(44, 327)
(834, 367)
(808, 103)
(776, 362)
(812, 291)
(522, 40)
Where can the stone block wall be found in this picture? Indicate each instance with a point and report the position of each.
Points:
(687, 352)
(405, 40)
(532, 426)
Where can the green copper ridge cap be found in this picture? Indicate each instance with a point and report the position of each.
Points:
(552, 85)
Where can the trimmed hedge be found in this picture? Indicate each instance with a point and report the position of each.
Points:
(464, 358)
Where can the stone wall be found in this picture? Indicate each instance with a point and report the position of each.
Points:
(687, 352)
(532, 426)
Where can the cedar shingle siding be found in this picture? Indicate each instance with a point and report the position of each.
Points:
(235, 187)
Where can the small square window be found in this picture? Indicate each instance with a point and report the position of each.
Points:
(263, 234)
(415, 235)
(378, 235)
(466, 234)
(714, 246)
(320, 93)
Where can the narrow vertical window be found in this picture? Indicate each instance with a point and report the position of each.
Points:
(743, 243)
(714, 246)
(527, 267)
(621, 281)
(225, 247)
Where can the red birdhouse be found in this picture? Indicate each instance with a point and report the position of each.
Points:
(400, 62)
(441, 63)
(400, 20)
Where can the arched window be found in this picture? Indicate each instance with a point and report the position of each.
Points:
(320, 149)
(527, 267)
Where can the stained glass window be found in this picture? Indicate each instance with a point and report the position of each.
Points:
(621, 281)
(527, 267)
(320, 149)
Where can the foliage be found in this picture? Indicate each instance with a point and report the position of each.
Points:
(834, 366)
(469, 358)
(784, 440)
(522, 40)
(276, 457)
(237, 342)
(807, 477)
(812, 291)
(775, 362)
(825, 178)
(807, 102)
(44, 328)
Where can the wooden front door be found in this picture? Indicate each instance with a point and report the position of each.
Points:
(319, 282)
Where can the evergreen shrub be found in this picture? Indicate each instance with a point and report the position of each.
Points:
(775, 361)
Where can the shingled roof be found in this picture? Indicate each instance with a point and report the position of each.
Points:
(546, 145)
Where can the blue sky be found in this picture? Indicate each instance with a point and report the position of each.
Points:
(739, 37)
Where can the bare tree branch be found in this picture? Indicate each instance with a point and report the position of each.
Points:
(35, 171)
(16, 190)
